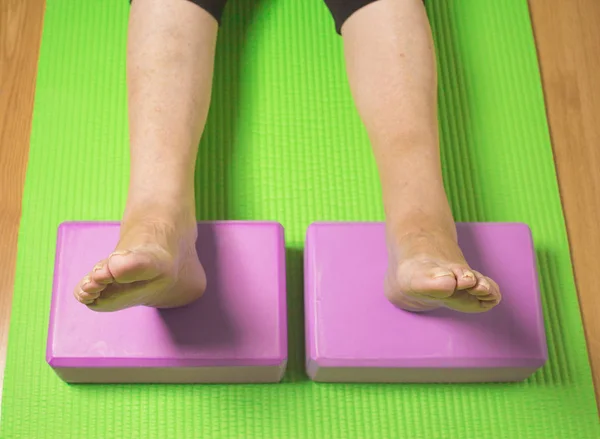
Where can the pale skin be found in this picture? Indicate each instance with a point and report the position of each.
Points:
(391, 69)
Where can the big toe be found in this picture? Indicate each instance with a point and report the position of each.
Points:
(141, 264)
(427, 279)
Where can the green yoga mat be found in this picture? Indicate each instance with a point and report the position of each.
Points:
(284, 142)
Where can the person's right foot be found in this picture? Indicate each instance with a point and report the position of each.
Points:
(154, 264)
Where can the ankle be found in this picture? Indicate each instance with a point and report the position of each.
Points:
(156, 227)
(421, 227)
(162, 187)
(178, 214)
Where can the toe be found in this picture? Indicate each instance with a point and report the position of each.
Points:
(429, 280)
(135, 266)
(494, 289)
(101, 274)
(90, 286)
(465, 277)
(88, 290)
(482, 287)
(486, 290)
(84, 297)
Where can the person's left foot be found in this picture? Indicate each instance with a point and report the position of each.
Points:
(428, 271)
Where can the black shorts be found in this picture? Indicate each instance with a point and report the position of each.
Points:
(341, 10)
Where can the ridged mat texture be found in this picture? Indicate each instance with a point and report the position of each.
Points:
(284, 142)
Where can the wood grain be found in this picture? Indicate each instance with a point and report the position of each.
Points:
(568, 44)
(568, 40)
(20, 31)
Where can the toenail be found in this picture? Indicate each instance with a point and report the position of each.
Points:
(443, 273)
(468, 275)
(98, 267)
(119, 253)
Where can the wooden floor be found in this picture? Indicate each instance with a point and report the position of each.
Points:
(568, 40)
(20, 31)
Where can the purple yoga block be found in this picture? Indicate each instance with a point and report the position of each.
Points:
(353, 334)
(235, 333)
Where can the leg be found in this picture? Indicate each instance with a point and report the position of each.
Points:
(391, 68)
(169, 72)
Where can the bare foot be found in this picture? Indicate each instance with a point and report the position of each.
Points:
(154, 264)
(428, 271)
